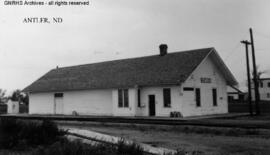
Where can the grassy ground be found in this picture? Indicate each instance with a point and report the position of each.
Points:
(24, 137)
(210, 140)
(263, 117)
(262, 121)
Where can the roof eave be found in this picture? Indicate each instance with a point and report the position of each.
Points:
(98, 88)
(230, 79)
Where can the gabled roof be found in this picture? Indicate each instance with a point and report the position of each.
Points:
(233, 90)
(230, 79)
(156, 70)
(262, 79)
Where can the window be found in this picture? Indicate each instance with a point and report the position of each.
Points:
(139, 98)
(58, 95)
(120, 98)
(123, 98)
(268, 95)
(167, 97)
(198, 97)
(214, 91)
(268, 84)
(261, 84)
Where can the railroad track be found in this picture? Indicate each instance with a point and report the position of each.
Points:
(153, 121)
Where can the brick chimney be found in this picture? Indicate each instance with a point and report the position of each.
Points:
(163, 49)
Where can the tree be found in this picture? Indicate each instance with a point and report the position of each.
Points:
(25, 99)
(259, 72)
(20, 96)
(16, 95)
(2, 95)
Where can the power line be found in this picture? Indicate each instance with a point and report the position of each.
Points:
(248, 76)
(235, 48)
(262, 35)
(235, 58)
(263, 49)
(232, 51)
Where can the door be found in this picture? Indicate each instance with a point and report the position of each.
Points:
(189, 97)
(58, 103)
(152, 105)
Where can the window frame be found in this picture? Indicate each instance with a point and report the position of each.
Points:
(123, 98)
(120, 98)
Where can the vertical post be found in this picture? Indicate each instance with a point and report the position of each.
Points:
(248, 77)
(256, 88)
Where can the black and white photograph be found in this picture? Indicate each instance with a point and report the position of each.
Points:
(134, 77)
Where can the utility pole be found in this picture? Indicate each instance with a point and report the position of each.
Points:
(248, 77)
(256, 88)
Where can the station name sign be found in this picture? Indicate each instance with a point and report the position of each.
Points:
(205, 80)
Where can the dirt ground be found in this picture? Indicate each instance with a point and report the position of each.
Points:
(210, 140)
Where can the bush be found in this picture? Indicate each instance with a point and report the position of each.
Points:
(176, 114)
(23, 108)
(47, 139)
(3, 108)
(18, 133)
(132, 149)
(185, 152)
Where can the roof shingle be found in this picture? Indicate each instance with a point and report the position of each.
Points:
(172, 68)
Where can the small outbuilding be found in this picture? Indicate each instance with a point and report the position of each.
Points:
(13, 107)
(235, 94)
(190, 82)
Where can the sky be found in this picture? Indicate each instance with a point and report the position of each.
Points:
(117, 29)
